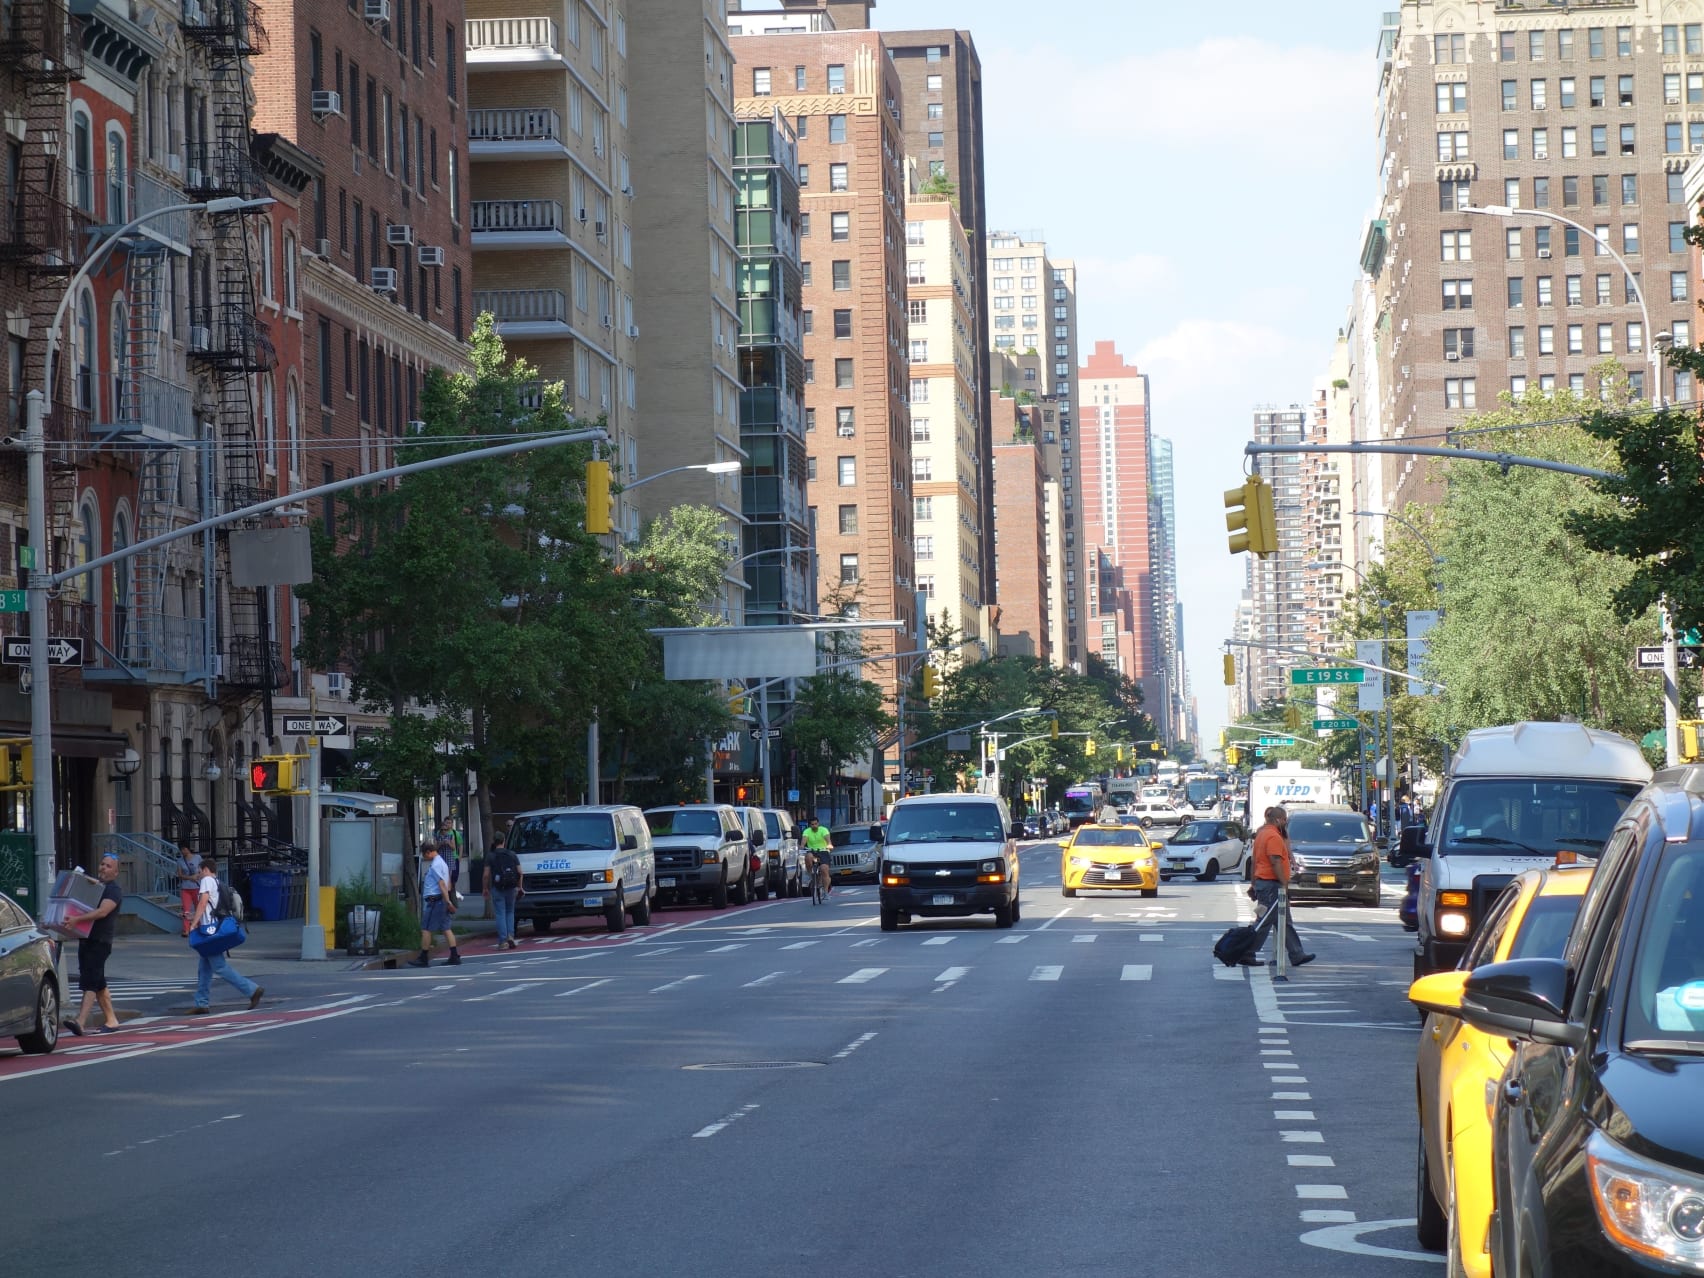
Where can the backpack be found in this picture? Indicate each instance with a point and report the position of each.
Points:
(230, 903)
(509, 875)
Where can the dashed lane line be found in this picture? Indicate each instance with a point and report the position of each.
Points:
(1137, 972)
(862, 976)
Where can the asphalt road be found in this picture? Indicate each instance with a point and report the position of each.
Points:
(770, 1090)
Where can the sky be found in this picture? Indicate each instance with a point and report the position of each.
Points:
(1212, 180)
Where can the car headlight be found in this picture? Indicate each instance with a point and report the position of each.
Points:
(894, 867)
(1453, 923)
(1647, 1209)
(600, 876)
(1298, 863)
(1080, 863)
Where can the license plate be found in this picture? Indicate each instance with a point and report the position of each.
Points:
(1113, 876)
(665, 883)
(942, 898)
(593, 902)
(1327, 880)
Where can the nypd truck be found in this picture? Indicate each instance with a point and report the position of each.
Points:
(1516, 798)
(1288, 785)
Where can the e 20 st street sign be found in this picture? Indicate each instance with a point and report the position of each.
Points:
(1328, 674)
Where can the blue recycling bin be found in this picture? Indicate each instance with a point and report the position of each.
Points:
(266, 894)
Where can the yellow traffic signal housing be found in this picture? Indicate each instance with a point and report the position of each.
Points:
(1156, 747)
(1689, 733)
(1250, 518)
(17, 770)
(1293, 717)
(931, 683)
(736, 701)
(1055, 732)
(1089, 746)
(274, 774)
(1230, 670)
(600, 505)
(1121, 754)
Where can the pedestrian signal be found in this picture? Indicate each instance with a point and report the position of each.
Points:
(273, 774)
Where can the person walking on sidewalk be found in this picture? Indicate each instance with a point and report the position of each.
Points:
(1272, 874)
(502, 886)
(94, 950)
(189, 882)
(437, 903)
(450, 849)
(211, 965)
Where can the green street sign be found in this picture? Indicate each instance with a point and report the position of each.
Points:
(1335, 725)
(1690, 638)
(14, 601)
(1328, 674)
(1275, 741)
(1260, 752)
(26, 557)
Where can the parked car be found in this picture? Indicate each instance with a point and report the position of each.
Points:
(702, 854)
(757, 856)
(857, 851)
(1205, 849)
(1333, 856)
(584, 860)
(781, 847)
(29, 981)
(1031, 827)
(1597, 1145)
(1455, 1063)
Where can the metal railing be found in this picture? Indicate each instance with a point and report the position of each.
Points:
(510, 33)
(517, 215)
(514, 124)
(151, 401)
(523, 305)
(147, 864)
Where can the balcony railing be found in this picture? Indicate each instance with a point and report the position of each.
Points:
(119, 195)
(523, 305)
(146, 401)
(517, 215)
(495, 35)
(514, 124)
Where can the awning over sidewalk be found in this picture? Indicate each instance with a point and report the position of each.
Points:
(77, 743)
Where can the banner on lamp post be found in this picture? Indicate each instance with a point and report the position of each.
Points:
(1371, 694)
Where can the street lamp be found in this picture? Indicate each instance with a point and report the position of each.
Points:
(709, 468)
(38, 582)
(1406, 523)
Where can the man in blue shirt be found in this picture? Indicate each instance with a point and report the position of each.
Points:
(437, 903)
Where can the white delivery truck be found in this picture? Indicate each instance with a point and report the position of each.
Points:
(1516, 795)
(1290, 785)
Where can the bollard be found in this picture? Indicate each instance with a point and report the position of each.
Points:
(1281, 954)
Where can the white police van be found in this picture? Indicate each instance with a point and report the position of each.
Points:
(1516, 796)
(584, 860)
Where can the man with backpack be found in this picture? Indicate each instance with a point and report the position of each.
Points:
(502, 886)
(216, 902)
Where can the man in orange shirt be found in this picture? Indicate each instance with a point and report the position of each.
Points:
(1272, 873)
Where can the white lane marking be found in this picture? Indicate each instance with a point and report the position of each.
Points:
(874, 940)
(661, 949)
(1138, 972)
(953, 974)
(1277, 1064)
(512, 989)
(1010, 940)
(674, 985)
(1301, 1138)
(584, 988)
(1292, 1095)
(1346, 1237)
(1046, 973)
(800, 945)
(715, 1127)
(1050, 922)
(1311, 1160)
(1290, 1078)
(1294, 1115)
(1085, 938)
(182, 1131)
(939, 940)
(1153, 936)
(1276, 1051)
(861, 976)
(1223, 973)
(723, 949)
(763, 980)
(853, 1046)
(1321, 1191)
(1325, 1217)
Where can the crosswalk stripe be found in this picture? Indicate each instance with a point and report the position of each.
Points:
(1011, 940)
(1138, 972)
(763, 980)
(939, 940)
(1153, 936)
(676, 984)
(1046, 973)
(861, 976)
(953, 974)
(582, 989)
(1084, 937)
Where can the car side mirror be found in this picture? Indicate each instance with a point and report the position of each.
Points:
(1439, 992)
(1017, 829)
(1410, 846)
(1522, 999)
(629, 842)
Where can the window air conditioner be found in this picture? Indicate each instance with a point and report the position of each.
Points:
(382, 279)
(193, 181)
(200, 337)
(633, 332)
(325, 102)
(840, 89)
(598, 229)
(376, 10)
(1452, 356)
(174, 163)
(604, 401)
(1544, 253)
(337, 683)
(399, 235)
(322, 247)
(431, 255)
(845, 432)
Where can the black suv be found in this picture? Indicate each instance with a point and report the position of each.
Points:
(1598, 1125)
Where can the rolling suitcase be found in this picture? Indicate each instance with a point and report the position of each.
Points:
(1243, 941)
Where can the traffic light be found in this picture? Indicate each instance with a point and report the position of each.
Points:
(273, 774)
(741, 793)
(1233, 755)
(1223, 737)
(1089, 746)
(1156, 747)
(1250, 518)
(600, 505)
(931, 683)
(736, 701)
(17, 770)
(1056, 729)
(1293, 717)
(1689, 731)
(1230, 670)
(1121, 754)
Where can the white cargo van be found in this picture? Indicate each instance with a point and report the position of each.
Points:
(584, 860)
(1515, 796)
(949, 856)
(1288, 785)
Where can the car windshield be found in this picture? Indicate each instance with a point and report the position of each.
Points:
(563, 832)
(1668, 964)
(945, 823)
(855, 836)
(1494, 816)
(1328, 827)
(1197, 832)
(667, 821)
(1545, 926)
(772, 825)
(1095, 836)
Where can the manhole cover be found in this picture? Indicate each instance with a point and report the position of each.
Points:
(756, 1065)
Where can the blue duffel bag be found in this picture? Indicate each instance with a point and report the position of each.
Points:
(217, 938)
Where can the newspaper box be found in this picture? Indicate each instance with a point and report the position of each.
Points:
(75, 896)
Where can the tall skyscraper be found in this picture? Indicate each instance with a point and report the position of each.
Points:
(1590, 112)
(1168, 606)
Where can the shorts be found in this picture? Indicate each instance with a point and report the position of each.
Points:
(91, 965)
(434, 915)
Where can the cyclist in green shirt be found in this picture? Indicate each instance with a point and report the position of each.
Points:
(816, 853)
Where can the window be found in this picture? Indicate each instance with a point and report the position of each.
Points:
(799, 83)
(810, 372)
(1541, 144)
(805, 273)
(1541, 193)
(82, 158)
(1458, 342)
(291, 301)
(808, 320)
(804, 226)
(843, 379)
(1511, 95)
(1695, 135)
(1451, 98)
(760, 83)
(1629, 238)
(1694, 87)
(1682, 332)
(325, 363)
(935, 111)
(1449, 48)
(1600, 139)
(1546, 339)
(1458, 295)
(1541, 241)
(846, 468)
(916, 311)
(1511, 145)
(1606, 339)
(837, 128)
(1602, 290)
(843, 323)
(922, 468)
(1635, 338)
(837, 78)
(1624, 90)
(1694, 39)
(1565, 44)
(1600, 189)
(1457, 246)
(1512, 243)
(1517, 386)
(922, 509)
(1576, 339)
(1565, 92)
(1671, 40)
(1535, 45)
(837, 180)
(1571, 290)
(1596, 90)
(914, 274)
(811, 470)
(1540, 94)
(848, 569)
(1671, 89)
(920, 430)
(1543, 290)
(924, 548)
(1624, 42)
(1505, 47)
(840, 226)
(1570, 192)
(1570, 143)
(919, 390)
(1453, 146)
(1629, 136)
(1460, 392)
(1594, 43)
(804, 175)
(1517, 342)
(845, 421)
(937, 140)
(914, 233)
(919, 350)
(932, 84)
(842, 271)
(1629, 188)
(849, 521)
(1677, 286)
(1453, 195)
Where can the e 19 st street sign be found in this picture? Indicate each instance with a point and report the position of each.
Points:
(1328, 674)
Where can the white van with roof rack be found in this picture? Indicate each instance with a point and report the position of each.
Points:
(1516, 796)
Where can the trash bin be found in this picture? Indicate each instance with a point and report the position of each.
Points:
(363, 924)
(295, 894)
(266, 894)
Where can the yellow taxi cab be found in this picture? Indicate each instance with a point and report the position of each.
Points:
(1106, 856)
(1457, 1067)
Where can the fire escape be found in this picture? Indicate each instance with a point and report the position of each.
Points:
(227, 336)
(44, 236)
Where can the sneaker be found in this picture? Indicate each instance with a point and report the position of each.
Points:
(200, 1011)
(254, 999)
(419, 962)
(453, 961)
(1306, 958)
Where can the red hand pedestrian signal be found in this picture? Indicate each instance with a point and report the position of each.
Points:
(273, 775)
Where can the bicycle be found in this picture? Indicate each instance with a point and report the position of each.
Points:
(819, 872)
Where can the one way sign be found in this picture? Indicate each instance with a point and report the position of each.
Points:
(1652, 658)
(61, 651)
(327, 725)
